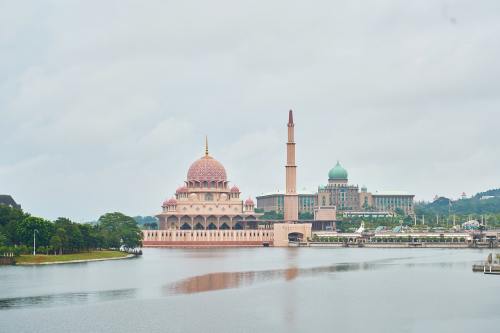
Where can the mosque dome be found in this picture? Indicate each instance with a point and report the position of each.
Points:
(235, 189)
(206, 169)
(338, 172)
(172, 202)
(182, 189)
(249, 202)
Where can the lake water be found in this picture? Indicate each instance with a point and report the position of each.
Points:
(256, 290)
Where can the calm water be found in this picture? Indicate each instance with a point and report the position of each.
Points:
(256, 290)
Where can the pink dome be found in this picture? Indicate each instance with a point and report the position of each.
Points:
(171, 202)
(182, 189)
(249, 202)
(165, 203)
(206, 169)
(235, 189)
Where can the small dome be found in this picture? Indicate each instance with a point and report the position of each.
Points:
(182, 189)
(235, 189)
(206, 169)
(338, 173)
(172, 202)
(249, 202)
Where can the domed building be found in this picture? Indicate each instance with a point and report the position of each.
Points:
(338, 192)
(207, 202)
(351, 200)
(337, 174)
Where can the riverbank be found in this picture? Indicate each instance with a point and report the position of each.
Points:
(42, 259)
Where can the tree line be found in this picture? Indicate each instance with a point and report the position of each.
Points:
(111, 231)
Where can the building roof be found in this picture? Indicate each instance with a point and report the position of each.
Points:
(392, 193)
(338, 172)
(208, 169)
(8, 201)
(300, 192)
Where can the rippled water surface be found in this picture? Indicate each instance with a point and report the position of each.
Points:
(256, 290)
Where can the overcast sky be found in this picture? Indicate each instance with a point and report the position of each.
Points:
(105, 104)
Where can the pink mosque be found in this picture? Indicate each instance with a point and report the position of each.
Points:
(206, 211)
(206, 202)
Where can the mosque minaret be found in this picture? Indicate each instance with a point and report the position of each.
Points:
(291, 204)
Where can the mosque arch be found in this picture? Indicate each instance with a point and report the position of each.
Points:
(185, 222)
(212, 220)
(185, 226)
(172, 219)
(251, 222)
(199, 222)
(172, 222)
(238, 220)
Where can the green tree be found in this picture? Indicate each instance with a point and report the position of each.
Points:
(63, 238)
(28, 225)
(56, 244)
(9, 218)
(119, 229)
(3, 239)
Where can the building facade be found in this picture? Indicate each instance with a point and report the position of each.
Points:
(393, 201)
(351, 201)
(275, 202)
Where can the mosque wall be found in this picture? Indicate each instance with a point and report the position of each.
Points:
(166, 238)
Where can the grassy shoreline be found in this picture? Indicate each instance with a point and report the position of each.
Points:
(66, 258)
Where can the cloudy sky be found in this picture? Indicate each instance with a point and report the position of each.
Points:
(105, 104)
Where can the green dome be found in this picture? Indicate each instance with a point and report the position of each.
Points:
(338, 172)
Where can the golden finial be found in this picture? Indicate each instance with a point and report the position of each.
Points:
(206, 145)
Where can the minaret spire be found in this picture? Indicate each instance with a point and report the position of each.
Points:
(291, 198)
(206, 145)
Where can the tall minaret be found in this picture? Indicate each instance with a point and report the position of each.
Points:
(291, 208)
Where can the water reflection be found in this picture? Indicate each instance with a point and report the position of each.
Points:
(230, 280)
(221, 281)
(66, 298)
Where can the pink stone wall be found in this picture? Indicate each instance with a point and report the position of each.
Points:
(159, 238)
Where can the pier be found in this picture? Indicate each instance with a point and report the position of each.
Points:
(490, 266)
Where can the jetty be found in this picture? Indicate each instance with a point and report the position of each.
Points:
(490, 266)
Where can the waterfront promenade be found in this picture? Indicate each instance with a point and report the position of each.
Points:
(488, 239)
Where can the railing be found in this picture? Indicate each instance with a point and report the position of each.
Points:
(7, 258)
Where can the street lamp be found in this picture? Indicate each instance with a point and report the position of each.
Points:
(34, 241)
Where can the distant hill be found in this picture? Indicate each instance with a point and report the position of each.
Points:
(489, 193)
(487, 202)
